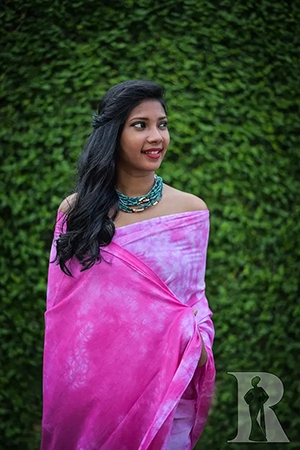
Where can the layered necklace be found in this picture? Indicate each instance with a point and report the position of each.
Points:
(142, 202)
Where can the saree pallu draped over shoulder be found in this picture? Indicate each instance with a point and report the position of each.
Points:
(122, 342)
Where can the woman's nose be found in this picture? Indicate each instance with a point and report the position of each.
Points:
(155, 135)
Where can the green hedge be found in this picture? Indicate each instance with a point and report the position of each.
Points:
(231, 69)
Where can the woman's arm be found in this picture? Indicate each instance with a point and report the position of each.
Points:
(203, 356)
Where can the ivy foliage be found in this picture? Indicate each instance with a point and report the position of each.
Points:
(231, 70)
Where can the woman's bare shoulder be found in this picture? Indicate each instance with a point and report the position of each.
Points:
(184, 201)
(67, 204)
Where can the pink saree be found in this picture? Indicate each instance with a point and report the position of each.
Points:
(122, 342)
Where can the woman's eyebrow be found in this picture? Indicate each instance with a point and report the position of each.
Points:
(146, 118)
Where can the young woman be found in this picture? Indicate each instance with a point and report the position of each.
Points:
(128, 358)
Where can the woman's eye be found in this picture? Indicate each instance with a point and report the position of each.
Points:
(142, 125)
(139, 125)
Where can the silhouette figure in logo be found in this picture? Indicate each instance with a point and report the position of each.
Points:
(255, 398)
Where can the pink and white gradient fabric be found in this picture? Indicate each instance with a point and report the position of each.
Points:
(122, 342)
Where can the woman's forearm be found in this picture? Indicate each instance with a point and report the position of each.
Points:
(203, 357)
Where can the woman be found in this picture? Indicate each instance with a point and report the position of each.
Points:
(128, 344)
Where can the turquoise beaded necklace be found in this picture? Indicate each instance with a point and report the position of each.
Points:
(138, 204)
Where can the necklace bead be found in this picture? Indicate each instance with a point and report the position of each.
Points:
(142, 202)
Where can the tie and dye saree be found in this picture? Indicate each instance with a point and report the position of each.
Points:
(122, 342)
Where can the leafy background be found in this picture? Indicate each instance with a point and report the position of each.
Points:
(231, 69)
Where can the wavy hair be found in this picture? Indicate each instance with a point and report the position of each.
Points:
(88, 225)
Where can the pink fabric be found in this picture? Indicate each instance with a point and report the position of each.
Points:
(122, 342)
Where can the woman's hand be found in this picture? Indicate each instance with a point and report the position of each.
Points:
(203, 357)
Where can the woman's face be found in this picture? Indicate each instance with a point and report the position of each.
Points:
(145, 138)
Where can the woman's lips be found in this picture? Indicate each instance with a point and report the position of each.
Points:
(153, 153)
(152, 150)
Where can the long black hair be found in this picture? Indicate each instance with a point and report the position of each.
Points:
(88, 225)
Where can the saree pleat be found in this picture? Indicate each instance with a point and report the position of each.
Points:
(122, 342)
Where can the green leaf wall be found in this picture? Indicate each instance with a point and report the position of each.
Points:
(231, 70)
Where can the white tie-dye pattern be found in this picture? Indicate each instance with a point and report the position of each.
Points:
(177, 255)
(77, 363)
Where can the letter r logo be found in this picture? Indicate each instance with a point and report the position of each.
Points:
(257, 422)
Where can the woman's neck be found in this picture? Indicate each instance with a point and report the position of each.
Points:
(134, 185)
